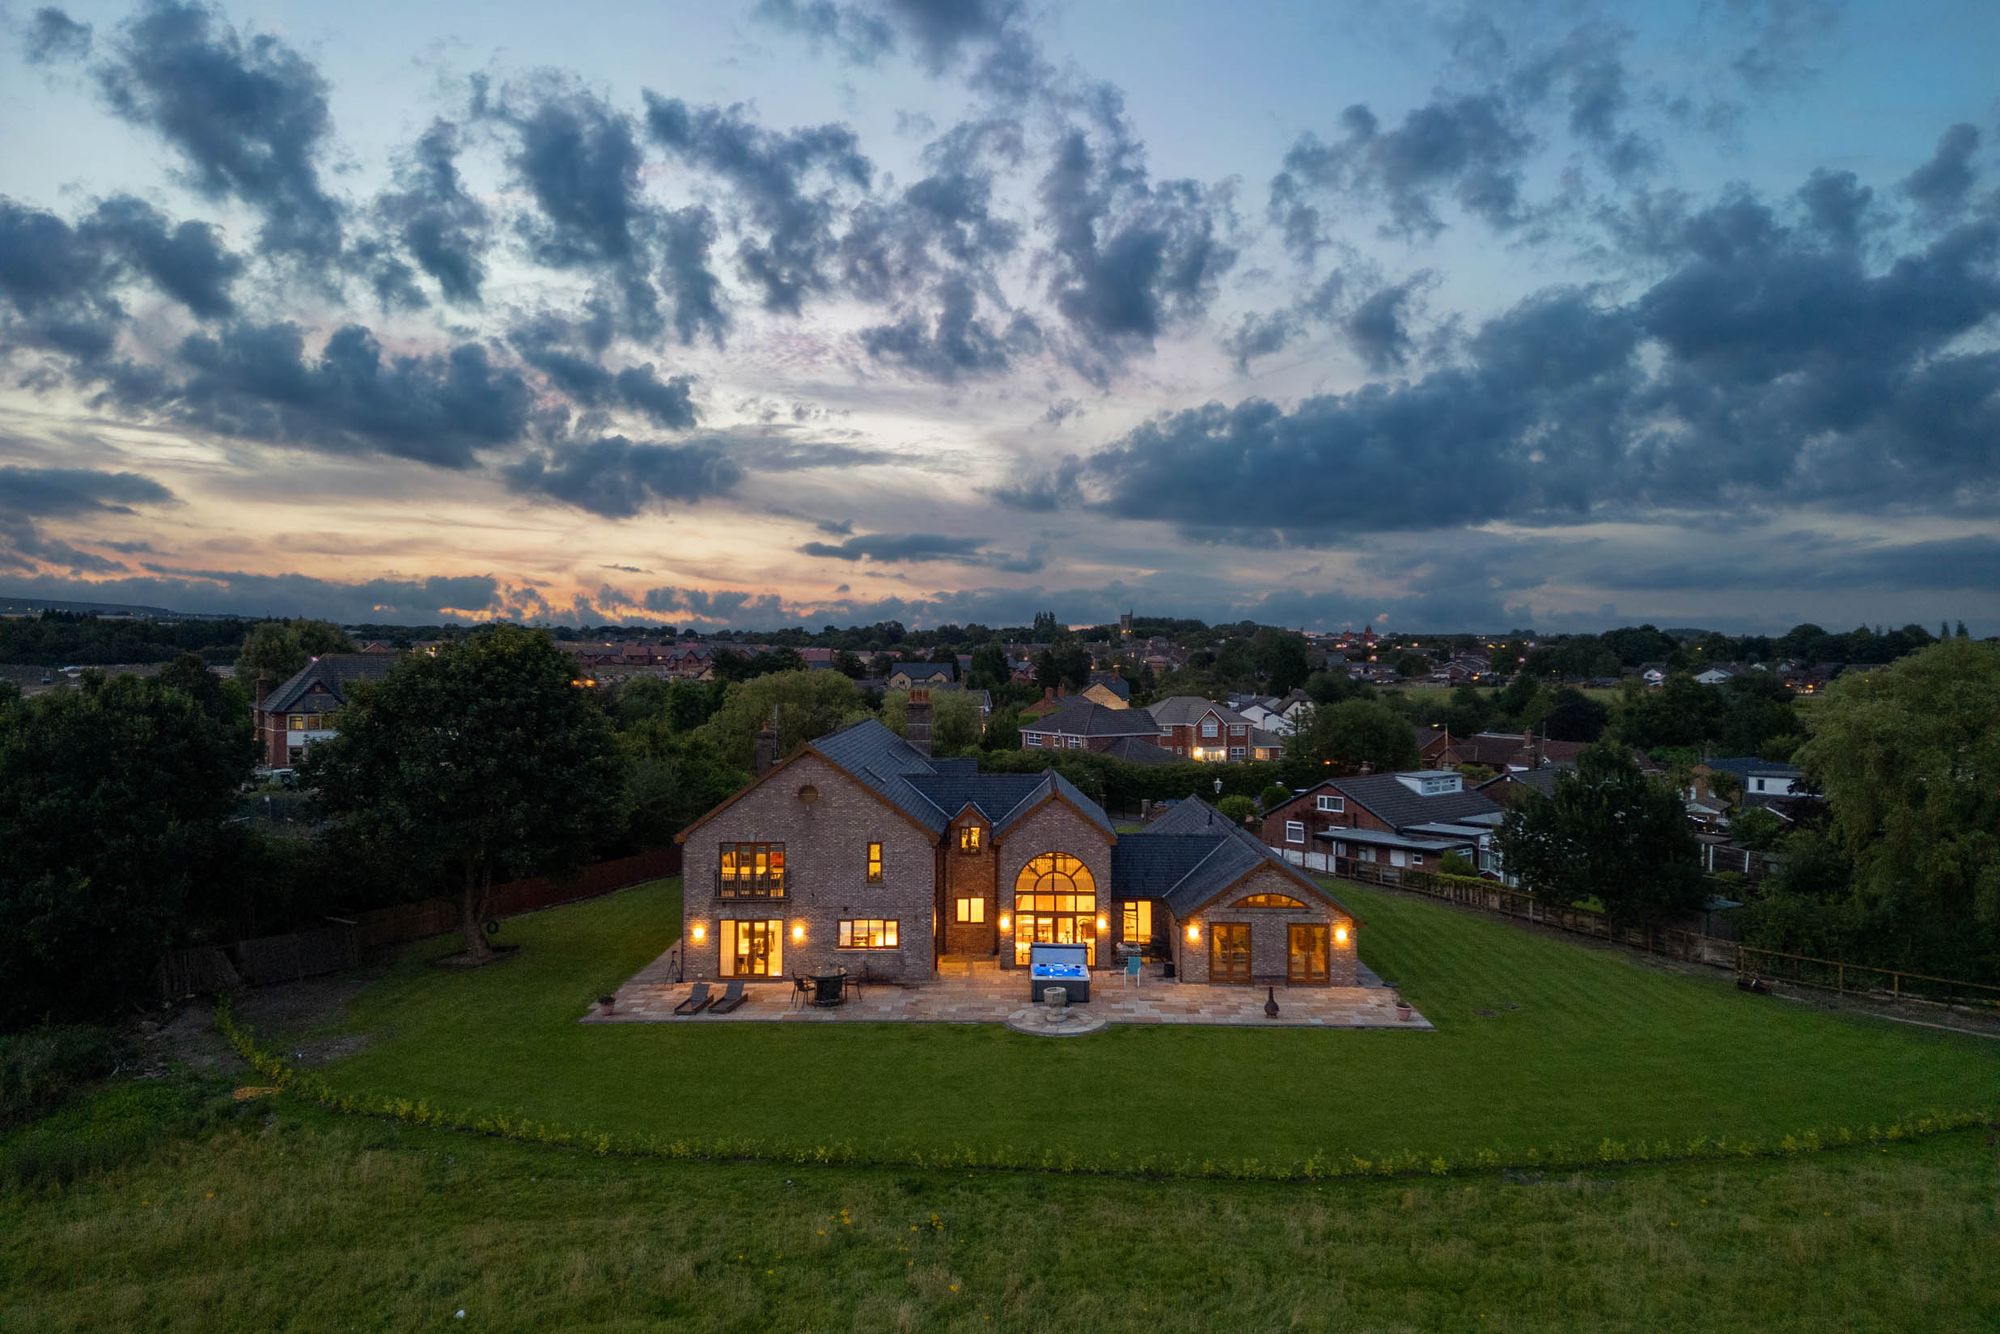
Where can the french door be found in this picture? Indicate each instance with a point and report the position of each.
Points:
(753, 949)
(1229, 952)
(1305, 959)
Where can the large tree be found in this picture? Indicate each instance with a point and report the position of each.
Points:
(804, 705)
(274, 650)
(954, 719)
(1908, 759)
(1354, 732)
(113, 799)
(672, 777)
(482, 761)
(1611, 833)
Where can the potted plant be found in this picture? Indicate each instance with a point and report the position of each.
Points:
(607, 1004)
(1403, 1010)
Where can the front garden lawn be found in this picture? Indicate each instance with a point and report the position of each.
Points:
(1540, 1043)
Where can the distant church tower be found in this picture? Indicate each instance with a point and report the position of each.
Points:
(1125, 623)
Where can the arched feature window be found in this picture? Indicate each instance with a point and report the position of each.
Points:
(1269, 901)
(1055, 902)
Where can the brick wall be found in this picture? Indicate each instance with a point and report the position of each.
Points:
(1270, 944)
(971, 875)
(1305, 809)
(826, 852)
(1056, 827)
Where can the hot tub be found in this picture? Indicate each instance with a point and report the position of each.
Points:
(1065, 966)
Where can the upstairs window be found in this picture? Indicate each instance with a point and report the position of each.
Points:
(1331, 803)
(1269, 901)
(968, 838)
(874, 863)
(752, 870)
(1209, 729)
(298, 722)
(1236, 729)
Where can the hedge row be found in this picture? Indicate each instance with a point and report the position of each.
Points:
(315, 1088)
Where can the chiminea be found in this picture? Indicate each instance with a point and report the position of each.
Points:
(1270, 1002)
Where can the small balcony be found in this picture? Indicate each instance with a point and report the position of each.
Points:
(748, 886)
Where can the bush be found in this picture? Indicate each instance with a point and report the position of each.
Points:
(1237, 808)
(44, 1067)
(1274, 796)
(1457, 863)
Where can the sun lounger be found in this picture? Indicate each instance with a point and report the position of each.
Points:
(732, 997)
(696, 1002)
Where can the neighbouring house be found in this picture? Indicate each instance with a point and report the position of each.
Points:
(1199, 729)
(907, 674)
(1109, 689)
(1277, 714)
(1719, 674)
(1395, 820)
(1140, 750)
(1516, 786)
(301, 711)
(1053, 698)
(861, 851)
(1432, 743)
(1507, 750)
(1081, 723)
(1761, 780)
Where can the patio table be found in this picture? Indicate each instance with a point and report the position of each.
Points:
(829, 989)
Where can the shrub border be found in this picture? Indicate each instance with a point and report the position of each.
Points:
(317, 1089)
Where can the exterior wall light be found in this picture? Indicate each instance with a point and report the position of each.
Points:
(1006, 921)
(1193, 932)
(798, 932)
(700, 933)
(1340, 934)
(1103, 922)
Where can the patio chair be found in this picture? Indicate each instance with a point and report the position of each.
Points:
(732, 999)
(1133, 963)
(696, 1002)
(802, 990)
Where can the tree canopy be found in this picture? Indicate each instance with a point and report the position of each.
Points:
(275, 650)
(805, 704)
(1354, 732)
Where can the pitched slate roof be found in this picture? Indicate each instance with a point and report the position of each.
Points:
(1542, 780)
(1233, 851)
(333, 671)
(1181, 710)
(933, 792)
(1077, 716)
(1139, 750)
(1746, 766)
(917, 671)
(1398, 807)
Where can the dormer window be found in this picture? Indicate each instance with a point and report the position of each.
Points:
(968, 838)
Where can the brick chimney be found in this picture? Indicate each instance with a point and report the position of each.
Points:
(767, 746)
(917, 720)
(1367, 767)
(262, 689)
(1534, 748)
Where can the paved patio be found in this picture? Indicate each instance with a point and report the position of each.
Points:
(981, 993)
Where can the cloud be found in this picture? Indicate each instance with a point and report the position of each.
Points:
(430, 213)
(957, 343)
(1939, 187)
(257, 382)
(28, 496)
(897, 547)
(789, 237)
(188, 262)
(1126, 256)
(1378, 329)
(990, 38)
(618, 478)
(546, 343)
(858, 37)
(248, 117)
(53, 35)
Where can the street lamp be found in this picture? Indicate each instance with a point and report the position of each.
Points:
(1218, 787)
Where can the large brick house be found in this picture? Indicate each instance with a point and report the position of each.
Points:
(1198, 729)
(301, 710)
(1392, 821)
(862, 851)
(1081, 723)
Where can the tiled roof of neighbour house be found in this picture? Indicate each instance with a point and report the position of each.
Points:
(1237, 851)
(1113, 682)
(1180, 710)
(933, 791)
(1138, 750)
(1263, 737)
(917, 671)
(1399, 807)
(334, 671)
(1077, 716)
(1542, 780)
(1425, 736)
(1748, 766)
(1561, 752)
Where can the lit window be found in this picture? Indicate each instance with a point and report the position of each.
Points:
(752, 870)
(971, 910)
(298, 722)
(1331, 804)
(1295, 831)
(867, 933)
(874, 863)
(1138, 919)
(1269, 901)
(968, 838)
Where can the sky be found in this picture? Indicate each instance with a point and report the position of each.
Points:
(1431, 316)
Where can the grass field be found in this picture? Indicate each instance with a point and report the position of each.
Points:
(297, 1219)
(1541, 1042)
(1424, 696)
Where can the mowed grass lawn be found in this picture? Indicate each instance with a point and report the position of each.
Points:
(301, 1220)
(1540, 1043)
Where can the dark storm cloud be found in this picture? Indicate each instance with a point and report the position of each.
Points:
(620, 478)
(546, 343)
(790, 236)
(1779, 370)
(53, 35)
(1127, 255)
(957, 343)
(1471, 146)
(31, 495)
(258, 382)
(1812, 562)
(442, 227)
(248, 116)
(1939, 187)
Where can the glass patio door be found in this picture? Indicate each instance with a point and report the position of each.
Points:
(753, 949)
(1305, 960)
(1229, 952)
